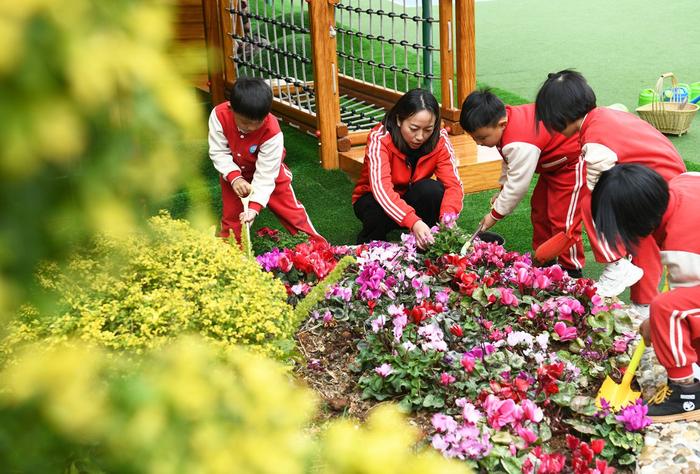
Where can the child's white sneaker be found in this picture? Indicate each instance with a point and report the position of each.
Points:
(617, 276)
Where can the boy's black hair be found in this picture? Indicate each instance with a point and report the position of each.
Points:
(481, 109)
(251, 97)
(628, 203)
(408, 105)
(563, 98)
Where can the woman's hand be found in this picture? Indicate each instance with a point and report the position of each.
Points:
(422, 233)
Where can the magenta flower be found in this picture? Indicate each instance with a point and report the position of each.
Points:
(384, 370)
(634, 417)
(564, 332)
(468, 361)
(443, 296)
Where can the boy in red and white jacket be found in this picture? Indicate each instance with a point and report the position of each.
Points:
(246, 146)
(527, 149)
(630, 203)
(567, 104)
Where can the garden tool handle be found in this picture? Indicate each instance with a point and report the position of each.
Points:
(246, 200)
(634, 363)
(468, 243)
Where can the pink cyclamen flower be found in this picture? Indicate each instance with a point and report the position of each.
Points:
(507, 297)
(500, 412)
(384, 370)
(564, 332)
(446, 379)
(443, 423)
(542, 282)
(531, 411)
(526, 434)
(634, 417)
(378, 323)
(449, 220)
(470, 414)
(468, 361)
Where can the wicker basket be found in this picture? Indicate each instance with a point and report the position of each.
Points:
(668, 117)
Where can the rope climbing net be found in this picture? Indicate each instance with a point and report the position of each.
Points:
(390, 45)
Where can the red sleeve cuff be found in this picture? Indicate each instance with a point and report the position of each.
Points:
(232, 176)
(255, 206)
(496, 215)
(410, 220)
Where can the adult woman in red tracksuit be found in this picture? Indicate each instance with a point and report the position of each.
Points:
(567, 104)
(631, 202)
(395, 189)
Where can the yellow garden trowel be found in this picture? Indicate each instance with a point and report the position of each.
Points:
(621, 395)
(245, 233)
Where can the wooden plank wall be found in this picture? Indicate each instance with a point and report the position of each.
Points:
(189, 48)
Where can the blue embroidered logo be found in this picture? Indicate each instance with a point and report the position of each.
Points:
(253, 148)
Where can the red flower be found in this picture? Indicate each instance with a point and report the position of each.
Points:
(456, 330)
(284, 262)
(423, 311)
(467, 282)
(597, 445)
(371, 304)
(268, 232)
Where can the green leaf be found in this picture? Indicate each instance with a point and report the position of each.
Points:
(502, 437)
(511, 465)
(581, 426)
(545, 433)
(433, 401)
(583, 405)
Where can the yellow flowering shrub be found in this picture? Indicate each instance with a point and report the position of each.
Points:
(379, 447)
(139, 292)
(93, 110)
(184, 408)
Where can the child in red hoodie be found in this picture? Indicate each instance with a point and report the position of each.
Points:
(403, 152)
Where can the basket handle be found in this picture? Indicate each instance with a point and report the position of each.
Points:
(657, 103)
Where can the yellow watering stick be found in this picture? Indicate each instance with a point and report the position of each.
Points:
(621, 395)
(245, 239)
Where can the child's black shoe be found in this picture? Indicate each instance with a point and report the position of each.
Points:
(675, 402)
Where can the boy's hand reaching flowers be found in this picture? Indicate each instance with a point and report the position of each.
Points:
(423, 235)
(487, 222)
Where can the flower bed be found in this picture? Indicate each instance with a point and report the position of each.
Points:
(498, 360)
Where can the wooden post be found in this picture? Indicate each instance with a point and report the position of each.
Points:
(447, 68)
(227, 29)
(215, 52)
(466, 45)
(323, 43)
